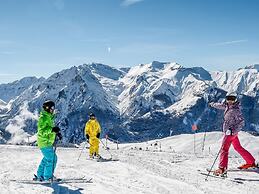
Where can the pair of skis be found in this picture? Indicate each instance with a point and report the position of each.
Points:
(224, 175)
(103, 159)
(56, 181)
(253, 169)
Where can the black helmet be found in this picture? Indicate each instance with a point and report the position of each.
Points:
(48, 105)
(92, 115)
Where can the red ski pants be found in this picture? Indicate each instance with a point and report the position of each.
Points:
(226, 143)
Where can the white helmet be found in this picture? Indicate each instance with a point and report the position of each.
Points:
(232, 96)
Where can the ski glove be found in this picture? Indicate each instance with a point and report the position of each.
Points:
(87, 136)
(59, 136)
(229, 131)
(56, 129)
(98, 135)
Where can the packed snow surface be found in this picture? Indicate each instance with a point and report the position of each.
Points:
(165, 166)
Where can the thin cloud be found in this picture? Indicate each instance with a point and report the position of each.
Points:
(229, 42)
(130, 2)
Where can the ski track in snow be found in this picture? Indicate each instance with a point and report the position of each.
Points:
(137, 171)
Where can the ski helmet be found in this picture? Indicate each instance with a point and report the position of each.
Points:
(48, 105)
(231, 96)
(92, 115)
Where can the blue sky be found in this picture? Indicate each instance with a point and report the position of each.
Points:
(40, 37)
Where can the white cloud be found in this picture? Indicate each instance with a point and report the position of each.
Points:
(130, 2)
(16, 125)
(109, 49)
(229, 42)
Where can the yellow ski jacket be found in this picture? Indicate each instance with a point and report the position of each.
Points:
(92, 128)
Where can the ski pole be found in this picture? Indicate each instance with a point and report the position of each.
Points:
(194, 143)
(81, 151)
(54, 157)
(205, 132)
(206, 179)
(106, 148)
(207, 108)
(203, 142)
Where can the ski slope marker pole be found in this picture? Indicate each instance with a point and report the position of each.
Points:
(106, 148)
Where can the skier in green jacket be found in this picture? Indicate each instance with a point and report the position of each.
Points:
(46, 136)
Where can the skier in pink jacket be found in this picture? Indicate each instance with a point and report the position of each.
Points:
(233, 123)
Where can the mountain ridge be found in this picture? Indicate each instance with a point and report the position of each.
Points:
(146, 101)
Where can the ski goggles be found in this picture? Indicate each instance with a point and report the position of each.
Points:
(55, 111)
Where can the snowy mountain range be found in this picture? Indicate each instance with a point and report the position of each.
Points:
(147, 101)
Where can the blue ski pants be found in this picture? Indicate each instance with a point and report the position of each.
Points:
(48, 163)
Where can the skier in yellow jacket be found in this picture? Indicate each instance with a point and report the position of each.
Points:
(92, 132)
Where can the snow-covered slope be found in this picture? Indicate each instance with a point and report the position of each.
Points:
(2, 105)
(12, 90)
(109, 78)
(166, 166)
(243, 81)
(254, 66)
(158, 96)
(157, 86)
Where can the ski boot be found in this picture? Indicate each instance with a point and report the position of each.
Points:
(220, 172)
(36, 178)
(247, 166)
